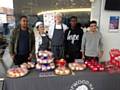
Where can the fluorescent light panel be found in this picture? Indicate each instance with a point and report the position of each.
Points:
(67, 10)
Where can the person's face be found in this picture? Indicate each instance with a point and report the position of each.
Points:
(93, 27)
(24, 22)
(41, 29)
(73, 22)
(58, 19)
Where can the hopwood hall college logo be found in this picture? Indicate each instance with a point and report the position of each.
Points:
(81, 85)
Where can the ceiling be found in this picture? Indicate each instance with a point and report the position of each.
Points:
(32, 7)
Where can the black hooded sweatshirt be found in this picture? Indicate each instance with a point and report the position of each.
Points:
(73, 39)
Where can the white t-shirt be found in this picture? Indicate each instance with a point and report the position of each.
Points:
(52, 27)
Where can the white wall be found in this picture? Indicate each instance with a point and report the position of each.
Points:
(111, 40)
(6, 3)
(96, 8)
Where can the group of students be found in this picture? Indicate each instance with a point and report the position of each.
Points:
(65, 42)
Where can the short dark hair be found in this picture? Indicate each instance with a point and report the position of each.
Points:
(23, 17)
(73, 17)
(37, 27)
(92, 22)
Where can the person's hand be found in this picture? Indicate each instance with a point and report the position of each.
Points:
(100, 54)
(13, 56)
(36, 55)
(30, 56)
(83, 56)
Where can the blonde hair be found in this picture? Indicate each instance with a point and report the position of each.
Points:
(58, 14)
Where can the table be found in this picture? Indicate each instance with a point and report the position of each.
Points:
(85, 80)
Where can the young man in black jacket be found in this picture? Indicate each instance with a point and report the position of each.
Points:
(73, 39)
(22, 42)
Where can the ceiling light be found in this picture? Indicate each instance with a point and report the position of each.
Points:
(92, 0)
(66, 10)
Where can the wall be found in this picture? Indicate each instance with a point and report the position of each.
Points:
(111, 40)
(96, 8)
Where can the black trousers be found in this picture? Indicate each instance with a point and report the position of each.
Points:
(19, 59)
(58, 51)
(72, 55)
(89, 58)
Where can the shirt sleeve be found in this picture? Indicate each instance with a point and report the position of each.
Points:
(50, 31)
(36, 45)
(12, 42)
(65, 27)
(32, 42)
(83, 42)
(65, 41)
(101, 42)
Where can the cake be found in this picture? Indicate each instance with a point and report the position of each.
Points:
(62, 71)
(28, 65)
(76, 66)
(45, 57)
(45, 61)
(17, 72)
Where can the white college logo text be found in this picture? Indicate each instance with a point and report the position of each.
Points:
(81, 85)
(72, 37)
